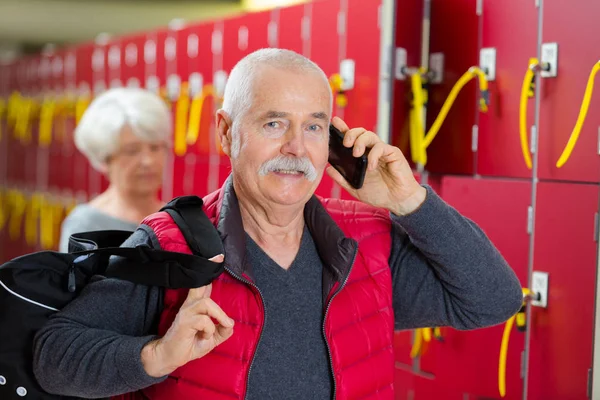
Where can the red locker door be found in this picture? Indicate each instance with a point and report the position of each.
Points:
(561, 97)
(295, 23)
(499, 150)
(325, 51)
(49, 156)
(561, 334)
(192, 172)
(100, 83)
(79, 178)
(132, 57)
(468, 361)
(361, 40)
(454, 34)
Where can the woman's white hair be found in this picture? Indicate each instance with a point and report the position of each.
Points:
(238, 91)
(97, 134)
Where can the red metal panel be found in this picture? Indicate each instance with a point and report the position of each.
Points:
(468, 361)
(455, 34)
(561, 96)
(499, 150)
(561, 336)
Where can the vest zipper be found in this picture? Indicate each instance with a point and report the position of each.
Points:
(246, 281)
(325, 320)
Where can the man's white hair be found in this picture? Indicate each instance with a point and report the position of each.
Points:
(238, 91)
(97, 134)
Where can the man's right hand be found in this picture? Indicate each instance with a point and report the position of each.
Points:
(192, 335)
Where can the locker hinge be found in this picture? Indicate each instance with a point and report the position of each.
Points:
(589, 383)
(533, 140)
(479, 7)
(474, 138)
(529, 220)
(537, 3)
(596, 227)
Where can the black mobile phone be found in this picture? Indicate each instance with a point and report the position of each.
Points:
(353, 169)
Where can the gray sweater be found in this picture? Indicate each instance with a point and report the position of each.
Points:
(445, 272)
(85, 218)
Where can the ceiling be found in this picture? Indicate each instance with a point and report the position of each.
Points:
(30, 24)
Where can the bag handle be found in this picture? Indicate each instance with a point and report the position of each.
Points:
(188, 214)
(157, 267)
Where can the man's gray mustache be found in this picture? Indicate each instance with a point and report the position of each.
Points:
(283, 163)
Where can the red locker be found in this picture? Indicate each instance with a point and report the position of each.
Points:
(561, 335)
(132, 60)
(409, 385)
(31, 84)
(454, 34)
(468, 361)
(561, 96)
(195, 66)
(88, 60)
(295, 24)
(49, 155)
(325, 50)
(363, 38)
(499, 149)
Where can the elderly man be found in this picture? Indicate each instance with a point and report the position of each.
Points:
(313, 286)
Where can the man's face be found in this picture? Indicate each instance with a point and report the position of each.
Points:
(137, 165)
(283, 137)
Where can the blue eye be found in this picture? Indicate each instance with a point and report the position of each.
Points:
(314, 128)
(273, 124)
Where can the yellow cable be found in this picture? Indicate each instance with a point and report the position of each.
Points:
(81, 105)
(504, 350)
(585, 105)
(419, 154)
(417, 344)
(181, 116)
(3, 209)
(458, 86)
(3, 108)
(46, 122)
(17, 204)
(503, 356)
(525, 94)
(24, 115)
(32, 219)
(12, 109)
(193, 129)
(427, 334)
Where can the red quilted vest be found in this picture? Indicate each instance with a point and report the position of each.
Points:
(357, 290)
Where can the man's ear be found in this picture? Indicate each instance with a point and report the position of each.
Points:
(224, 130)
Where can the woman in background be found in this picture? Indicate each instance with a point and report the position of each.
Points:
(125, 134)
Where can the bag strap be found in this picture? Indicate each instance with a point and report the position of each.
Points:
(188, 214)
(157, 267)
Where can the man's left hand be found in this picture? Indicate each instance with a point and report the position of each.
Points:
(389, 181)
